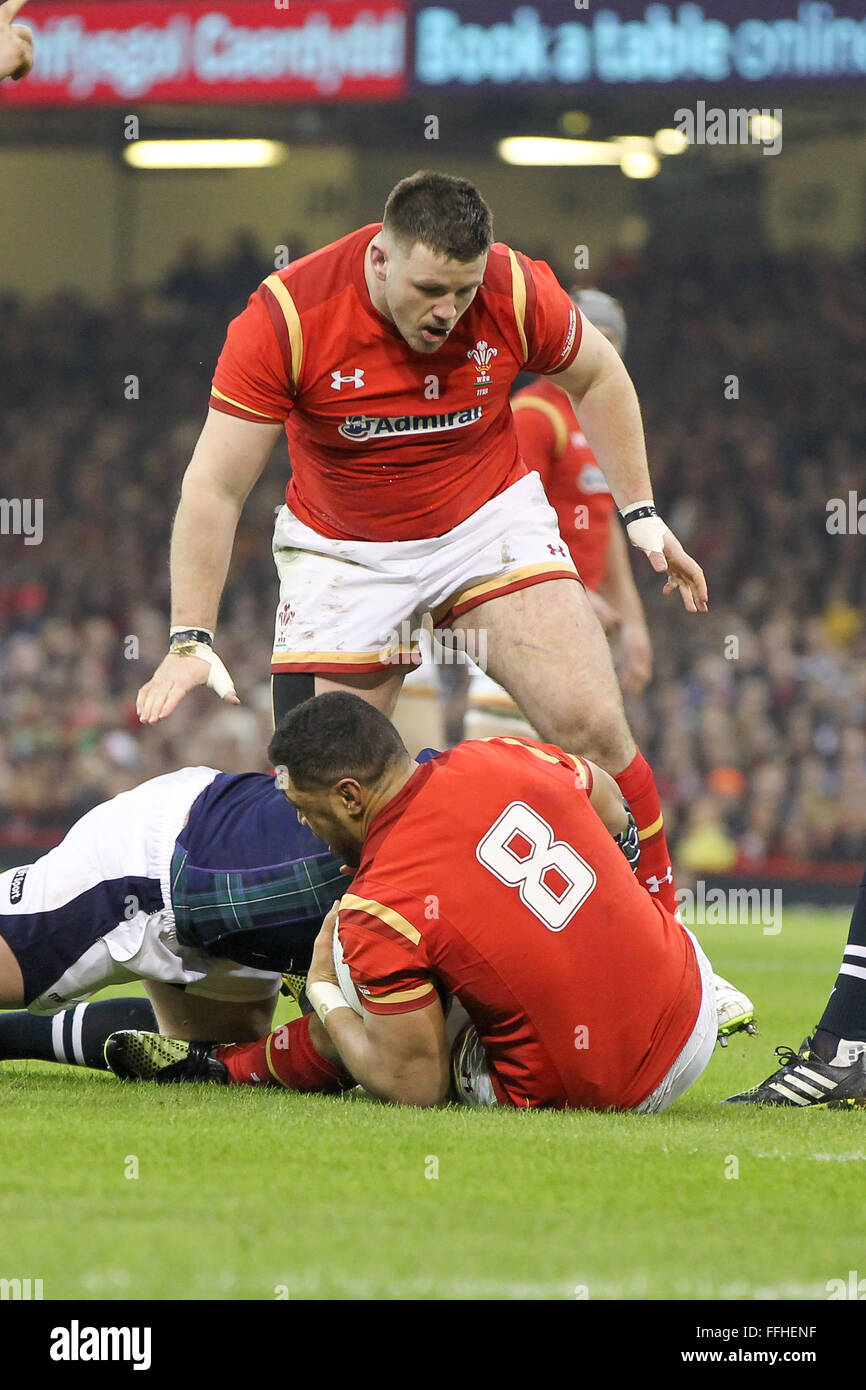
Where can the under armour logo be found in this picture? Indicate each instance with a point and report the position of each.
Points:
(356, 379)
(558, 550)
(654, 883)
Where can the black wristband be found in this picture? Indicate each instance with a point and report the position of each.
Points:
(638, 513)
(190, 634)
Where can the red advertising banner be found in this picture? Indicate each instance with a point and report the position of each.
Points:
(113, 52)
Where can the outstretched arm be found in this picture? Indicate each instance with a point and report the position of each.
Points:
(229, 458)
(607, 406)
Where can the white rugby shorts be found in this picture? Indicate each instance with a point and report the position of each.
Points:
(359, 605)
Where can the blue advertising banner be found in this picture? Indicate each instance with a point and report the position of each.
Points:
(558, 42)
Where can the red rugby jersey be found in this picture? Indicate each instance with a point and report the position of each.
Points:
(387, 443)
(552, 442)
(491, 874)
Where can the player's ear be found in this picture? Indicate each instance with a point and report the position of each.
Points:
(351, 795)
(379, 257)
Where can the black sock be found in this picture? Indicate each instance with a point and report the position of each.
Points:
(845, 1014)
(75, 1036)
(290, 689)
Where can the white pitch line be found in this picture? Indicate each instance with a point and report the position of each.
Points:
(857, 1157)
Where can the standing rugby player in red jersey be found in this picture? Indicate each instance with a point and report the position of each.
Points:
(553, 443)
(388, 358)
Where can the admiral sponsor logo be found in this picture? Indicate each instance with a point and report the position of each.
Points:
(76, 1343)
(16, 888)
(357, 427)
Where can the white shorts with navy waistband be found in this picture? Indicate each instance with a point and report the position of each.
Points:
(471, 1071)
(359, 605)
(96, 910)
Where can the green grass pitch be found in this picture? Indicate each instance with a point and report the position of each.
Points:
(246, 1194)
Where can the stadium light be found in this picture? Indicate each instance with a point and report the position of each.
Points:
(635, 154)
(574, 123)
(763, 126)
(670, 141)
(205, 154)
(635, 142)
(548, 149)
(640, 164)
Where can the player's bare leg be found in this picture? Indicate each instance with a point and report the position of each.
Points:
(380, 688)
(194, 1018)
(11, 979)
(546, 646)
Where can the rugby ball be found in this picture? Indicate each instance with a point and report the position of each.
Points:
(344, 978)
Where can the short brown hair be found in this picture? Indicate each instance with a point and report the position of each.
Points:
(446, 214)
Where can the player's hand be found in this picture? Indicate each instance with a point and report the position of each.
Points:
(175, 677)
(16, 43)
(321, 969)
(629, 841)
(636, 658)
(648, 532)
(683, 572)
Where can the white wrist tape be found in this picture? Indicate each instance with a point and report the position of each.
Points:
(219, 678)
(647, 533)
(325, 997)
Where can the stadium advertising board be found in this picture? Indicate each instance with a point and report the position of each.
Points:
(235, 51)
(122, 50)
(483, 42)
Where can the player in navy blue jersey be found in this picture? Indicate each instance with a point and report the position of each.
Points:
(200, 884)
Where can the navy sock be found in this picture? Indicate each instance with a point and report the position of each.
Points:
(75, 1036)
(845, 1014)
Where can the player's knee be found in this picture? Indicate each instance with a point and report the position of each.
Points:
(601, 735)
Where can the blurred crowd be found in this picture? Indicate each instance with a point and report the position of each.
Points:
(751, 381)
